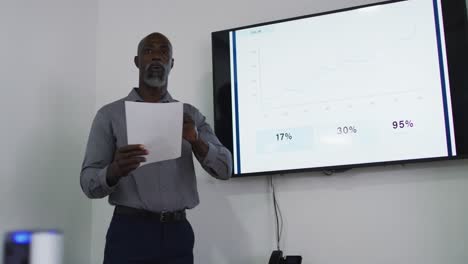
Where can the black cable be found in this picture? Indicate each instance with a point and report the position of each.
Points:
(280, 219)
(278, 215)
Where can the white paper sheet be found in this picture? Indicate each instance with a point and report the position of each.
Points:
(157, 126)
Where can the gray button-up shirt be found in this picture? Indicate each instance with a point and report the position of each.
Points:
(161, 186)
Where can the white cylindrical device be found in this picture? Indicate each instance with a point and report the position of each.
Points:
(46, 248)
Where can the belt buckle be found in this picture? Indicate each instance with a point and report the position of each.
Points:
(163, 217)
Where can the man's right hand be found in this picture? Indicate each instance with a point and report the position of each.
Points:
(126, 159)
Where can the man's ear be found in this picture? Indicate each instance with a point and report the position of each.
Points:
(172, 63)
(135, 60)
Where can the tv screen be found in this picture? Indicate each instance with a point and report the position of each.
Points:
(376, 84)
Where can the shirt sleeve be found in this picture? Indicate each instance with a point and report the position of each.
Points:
(218, 160)
(99, 154)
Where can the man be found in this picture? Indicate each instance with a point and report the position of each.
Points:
(149, 224)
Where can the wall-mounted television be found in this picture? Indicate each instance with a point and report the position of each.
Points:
(384, 83)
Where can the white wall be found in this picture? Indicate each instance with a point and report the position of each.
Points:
(47, 79)
(412, 214)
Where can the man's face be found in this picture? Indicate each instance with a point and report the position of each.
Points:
(155, 61)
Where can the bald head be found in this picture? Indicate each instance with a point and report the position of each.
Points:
(152, 37)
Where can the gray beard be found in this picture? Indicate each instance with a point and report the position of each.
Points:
(155, 81)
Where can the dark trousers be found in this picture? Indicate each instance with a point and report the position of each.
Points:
(137, 239)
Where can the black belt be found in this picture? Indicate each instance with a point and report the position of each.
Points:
(174, 216)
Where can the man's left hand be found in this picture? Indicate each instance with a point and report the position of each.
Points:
(190, 132)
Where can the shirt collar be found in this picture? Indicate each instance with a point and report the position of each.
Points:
(134, 96)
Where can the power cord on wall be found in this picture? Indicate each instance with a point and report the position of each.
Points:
(277, 255)
(278, 214)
